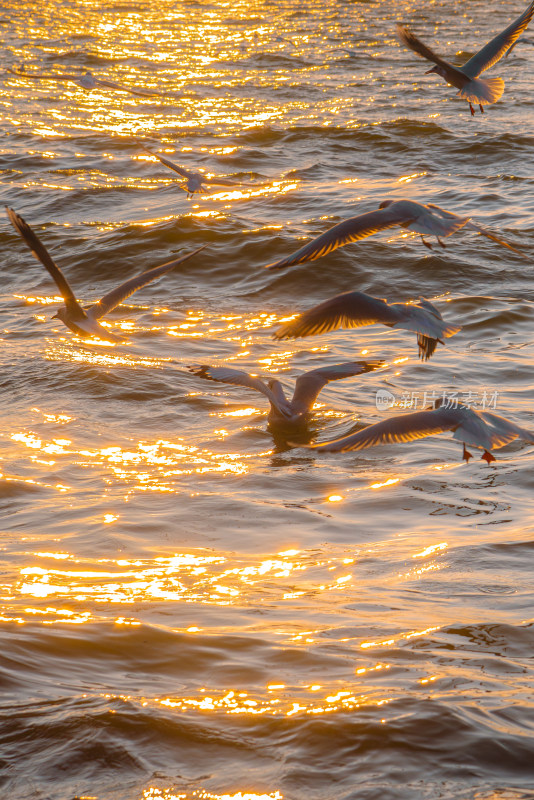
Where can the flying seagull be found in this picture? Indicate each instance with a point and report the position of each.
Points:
(426, 219)
(356, 309)
(307, 387)
(477, 428)
(86, 81)
(465, 78)
(193, 178)
(84, 322)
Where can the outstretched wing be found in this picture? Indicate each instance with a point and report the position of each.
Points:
(185, 173)
(494, 50)
(401, 428)
(474, 226)
(350, 230)
(453, 75)
(504, 431)
(116, 296)
(41, 253)
(442, 222)
(121, 88)
(309, 384)
(238, 378)
(44, 75)
(348, 310)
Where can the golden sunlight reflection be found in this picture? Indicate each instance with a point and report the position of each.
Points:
(155, 793)
(398, 638)
(232, 702)
(430, 550)
(77, 355)
(143, 466)
(61, 578)
(389, 482)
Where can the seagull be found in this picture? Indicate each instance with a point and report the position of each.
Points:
(427, 219)
(356, 309)
(308, 385)
(477, 428)
(193, 178)
(465, 78)
(86, 81)
(84, 322)
(283, 39)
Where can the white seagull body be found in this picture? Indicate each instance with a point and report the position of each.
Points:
(465, 78)
(193, 179)
(84, 322)
(428, 219)
(86, 81)
(477, 428)
(284, 411)
(356, 309)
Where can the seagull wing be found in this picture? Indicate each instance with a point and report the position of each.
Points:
(238, 378)
(116, 296)
(504, 430)
(494, 50)
(348, 310)
(41, 253)
(185, 173)
(309, 384)
(428, 306)
(441, 222)
(453, 76)
(121, 88)
(350, 230)
(474, 226)
(45, 75)
(401, 428)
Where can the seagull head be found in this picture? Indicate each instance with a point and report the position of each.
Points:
(61, 314)
(438, 70)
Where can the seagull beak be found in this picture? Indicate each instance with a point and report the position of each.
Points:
(433, 69)
(56, 316)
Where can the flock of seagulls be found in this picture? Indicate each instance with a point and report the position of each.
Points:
(354, 309)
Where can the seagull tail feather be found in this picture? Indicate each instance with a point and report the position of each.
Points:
(482, 90)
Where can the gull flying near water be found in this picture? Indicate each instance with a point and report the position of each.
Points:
(193, 179)
(86, 81)
(84, 322)
(308, 385)
(465, 78)
(426, 219)
(477, 428)
(356, 309)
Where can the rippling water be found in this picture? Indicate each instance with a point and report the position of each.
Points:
(190, 607)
